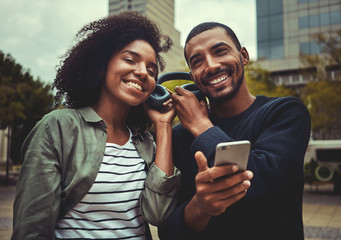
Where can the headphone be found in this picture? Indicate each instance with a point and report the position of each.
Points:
(161, 95)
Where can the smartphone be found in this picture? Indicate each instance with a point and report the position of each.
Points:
(235, 152)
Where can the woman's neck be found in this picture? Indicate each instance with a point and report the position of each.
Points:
(115, 117)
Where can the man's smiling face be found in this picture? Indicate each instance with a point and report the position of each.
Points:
(216, 64)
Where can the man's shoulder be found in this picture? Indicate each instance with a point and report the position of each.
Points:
(284, 106)
(276, 102)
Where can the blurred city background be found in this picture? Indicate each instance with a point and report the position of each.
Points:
(294, 45)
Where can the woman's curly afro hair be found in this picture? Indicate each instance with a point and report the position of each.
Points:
(82, 70)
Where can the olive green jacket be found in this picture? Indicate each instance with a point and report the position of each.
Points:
(62, 156)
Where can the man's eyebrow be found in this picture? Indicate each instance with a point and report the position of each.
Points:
(194, 56)
(219, 45)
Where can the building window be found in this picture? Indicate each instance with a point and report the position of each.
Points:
(314, 20)
(303, 22)
(263, 50)
(277, 49)
(335, 17)
(262, 29)
(310, 48)
(275, 7)
(322, 19)
(305, 1)
(276, 27)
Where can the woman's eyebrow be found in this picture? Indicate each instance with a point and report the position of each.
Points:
(152, 63)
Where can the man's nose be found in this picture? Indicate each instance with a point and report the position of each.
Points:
(211, 64)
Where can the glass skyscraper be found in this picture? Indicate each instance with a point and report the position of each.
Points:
(285, 29)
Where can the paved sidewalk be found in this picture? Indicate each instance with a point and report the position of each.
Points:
(321, 213)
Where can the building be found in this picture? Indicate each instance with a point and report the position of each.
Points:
(162, 13)
(284, 31)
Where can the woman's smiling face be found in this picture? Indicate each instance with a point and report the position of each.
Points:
(131, 73)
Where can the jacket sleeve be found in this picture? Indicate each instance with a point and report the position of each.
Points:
(160, 194)
(37, 201)
(159, 197)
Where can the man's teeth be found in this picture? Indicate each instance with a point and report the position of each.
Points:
(215, 81)
(134, 85)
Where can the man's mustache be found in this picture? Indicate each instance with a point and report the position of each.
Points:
(228, 70)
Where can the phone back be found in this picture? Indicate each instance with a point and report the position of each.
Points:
(236, 152)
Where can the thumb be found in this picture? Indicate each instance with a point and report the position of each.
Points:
(201, 161)
(180, 90)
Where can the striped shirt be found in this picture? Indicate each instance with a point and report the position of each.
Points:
(110, 210)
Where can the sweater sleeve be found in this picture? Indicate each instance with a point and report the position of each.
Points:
(277, 154)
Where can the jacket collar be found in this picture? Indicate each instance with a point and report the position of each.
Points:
(89, 114)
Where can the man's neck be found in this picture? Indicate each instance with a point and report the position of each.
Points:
(232, 107)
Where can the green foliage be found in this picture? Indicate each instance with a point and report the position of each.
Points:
(324, 104)
(23, 101)
(322, 95)
(259, 83)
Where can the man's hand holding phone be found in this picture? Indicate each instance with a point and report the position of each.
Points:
(216, 189)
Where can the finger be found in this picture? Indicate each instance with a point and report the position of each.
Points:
(180, 91)
(228, 192)
(201, 161)
(230, 179)
(170, 92)
(169, 101)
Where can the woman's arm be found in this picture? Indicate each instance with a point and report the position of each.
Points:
(163, 180)
(37, 201)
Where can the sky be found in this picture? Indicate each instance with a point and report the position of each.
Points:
(36, 33)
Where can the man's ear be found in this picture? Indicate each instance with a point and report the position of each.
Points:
(192, 77)
(245, 56)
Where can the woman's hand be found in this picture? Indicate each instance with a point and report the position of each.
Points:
(166, 115)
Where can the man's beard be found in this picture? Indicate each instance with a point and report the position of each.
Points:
(234, 85)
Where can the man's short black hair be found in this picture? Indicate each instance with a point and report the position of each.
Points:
(208, 26)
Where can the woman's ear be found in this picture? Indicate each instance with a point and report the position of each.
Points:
(245, 56)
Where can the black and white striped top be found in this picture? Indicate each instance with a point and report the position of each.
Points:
(110, 210)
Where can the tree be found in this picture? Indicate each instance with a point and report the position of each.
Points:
(259, 82)
(322, 94)
(23, 101)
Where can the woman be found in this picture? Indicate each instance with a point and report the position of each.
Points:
(84, 169)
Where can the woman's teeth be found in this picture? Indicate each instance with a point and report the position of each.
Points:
(134, 85)
(215, 81)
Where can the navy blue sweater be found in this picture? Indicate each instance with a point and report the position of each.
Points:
(279, 130)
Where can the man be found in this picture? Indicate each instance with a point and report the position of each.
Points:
(216, 207)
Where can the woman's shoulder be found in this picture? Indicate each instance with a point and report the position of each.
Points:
(63, 117)
(60, 114)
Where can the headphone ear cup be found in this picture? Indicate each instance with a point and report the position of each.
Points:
(158, 97)
(194, 89)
